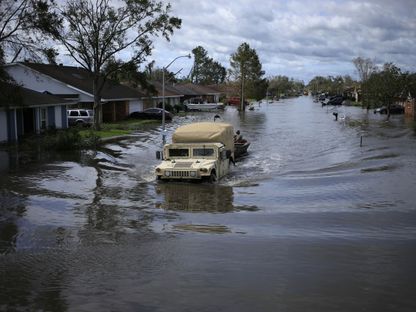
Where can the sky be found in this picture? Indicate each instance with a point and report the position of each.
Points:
(296, 38)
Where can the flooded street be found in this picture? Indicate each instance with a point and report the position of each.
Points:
(308, 221)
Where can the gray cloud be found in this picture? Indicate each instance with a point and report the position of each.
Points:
(296, 38)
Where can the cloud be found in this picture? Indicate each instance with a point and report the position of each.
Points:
(296, 38)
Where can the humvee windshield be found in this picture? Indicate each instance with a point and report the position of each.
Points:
(179, 152)
(204, 152)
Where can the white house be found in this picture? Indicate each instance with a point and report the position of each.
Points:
(24, 111)
(70, 82)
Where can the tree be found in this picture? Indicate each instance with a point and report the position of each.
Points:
(23, 24)
(365, 67)
(385, 86)
(331, 85)
(246, 67)
(99, 32)
(205, 70)
(22, 27)
(280, 84)
(410, 83)
(156, 74)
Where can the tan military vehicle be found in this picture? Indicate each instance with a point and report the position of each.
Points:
(199, 151)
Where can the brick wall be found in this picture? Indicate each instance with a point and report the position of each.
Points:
(409, 108)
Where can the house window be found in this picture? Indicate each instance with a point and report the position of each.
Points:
(43, 118)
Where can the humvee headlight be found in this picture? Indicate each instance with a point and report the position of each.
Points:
(193, 174)
(158, 169)
(167, 173)
(204, 170)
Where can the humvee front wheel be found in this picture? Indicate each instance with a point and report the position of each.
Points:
(212, 178)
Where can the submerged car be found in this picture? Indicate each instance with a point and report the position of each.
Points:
(394, 109)
(151, 113)
(335, 100)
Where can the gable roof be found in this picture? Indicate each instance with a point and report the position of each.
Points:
(201, 89)
(17, 96)
(81, 79)
(170, 90)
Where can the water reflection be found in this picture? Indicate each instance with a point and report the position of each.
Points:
(195, 197)
(92, 230)
(198, 197)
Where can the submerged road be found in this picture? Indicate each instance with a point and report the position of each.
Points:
(308, 221)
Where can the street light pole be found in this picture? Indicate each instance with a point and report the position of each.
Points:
(163, 96)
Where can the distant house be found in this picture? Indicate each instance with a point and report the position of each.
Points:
(28, 112)
(76, 83)
(178, 93)
(206, 93)
(173, 96)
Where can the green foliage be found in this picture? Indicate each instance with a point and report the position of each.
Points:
(384, 86)
(410, 84)
(23, 24)
(260, 89)
(129, 73)
(331, 85)
(126, 125)
(96, 33)
(205, 70)
(90, 138)
(246, 63)
(247, 69)
(168, 106)
(66, 139)
(282, 85)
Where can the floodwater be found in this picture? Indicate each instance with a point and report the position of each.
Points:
(308, 221)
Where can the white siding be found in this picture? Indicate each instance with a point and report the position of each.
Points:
(3, 126)
(58, 117)
(33, 80)
(135, 106)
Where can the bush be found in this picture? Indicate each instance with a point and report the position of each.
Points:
(178, 107)
(67, 139)
(91, 139)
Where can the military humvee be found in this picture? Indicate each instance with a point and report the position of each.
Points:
(199, 151)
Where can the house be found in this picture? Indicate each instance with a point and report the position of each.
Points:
(24, 111)
(173, 96)
(191, 90)
(178, 93)
(76, 83)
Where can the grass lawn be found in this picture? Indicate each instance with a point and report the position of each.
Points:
(104, 133)
(129, 124)
(124, 127)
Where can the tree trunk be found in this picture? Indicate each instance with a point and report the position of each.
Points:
(97, 105)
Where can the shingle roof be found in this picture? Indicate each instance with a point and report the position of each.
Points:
(81, 79)
(170, 91)
(16, 96)
(186, 90)
(203, 90)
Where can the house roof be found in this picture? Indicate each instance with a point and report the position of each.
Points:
(81, 79)
(16, 96)
(200, 89)
(170, 91)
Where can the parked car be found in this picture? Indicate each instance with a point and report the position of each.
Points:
(335, 100)
(80, 117)
(322, 97)
(235, 101)
(394, 109)
(151, 113)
